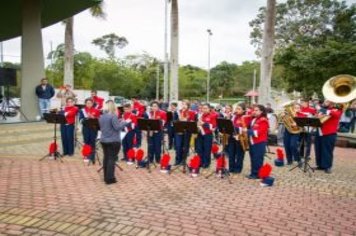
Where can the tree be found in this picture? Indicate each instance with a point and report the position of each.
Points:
(267, 52)
(174, 91)
(314, 41)
(223, 78)
(109, 43)
(96, 11)
(299, 21)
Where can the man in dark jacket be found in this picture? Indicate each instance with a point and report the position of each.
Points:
(44, 92)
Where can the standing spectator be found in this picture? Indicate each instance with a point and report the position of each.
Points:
(44, 92)
(345, 121)
(269, 108)
(353, 119)
(64, 93)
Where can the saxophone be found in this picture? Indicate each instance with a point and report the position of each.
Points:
(243, 137)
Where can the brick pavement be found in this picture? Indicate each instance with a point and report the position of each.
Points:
(52, 198)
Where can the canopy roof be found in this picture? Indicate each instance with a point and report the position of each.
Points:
(53, 11)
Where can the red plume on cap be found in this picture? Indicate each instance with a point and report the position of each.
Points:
(220, 162)
(139, 154)
(265, 171)
(86, 150)
(52, 148)
(195, 162)
(280, 154)
(165, 160)
(215, 148)
(131, 154)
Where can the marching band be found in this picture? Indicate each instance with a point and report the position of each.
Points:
(250, 124)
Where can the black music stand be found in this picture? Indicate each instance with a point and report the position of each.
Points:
(149, 125)
(53, 118)
(307, 123)
(226, 127)
(185, 127)
(93, 124)
(169, 115)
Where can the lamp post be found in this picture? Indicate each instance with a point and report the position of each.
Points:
(165, 75)
(210, 33)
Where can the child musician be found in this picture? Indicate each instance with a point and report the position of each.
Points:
(258, 133)
(228, 113)
(235, 151)
(155, 140)
(130, 118)
(306, 111)
(325, 138)
(98, 101)
(206, 125)
(170, 129)
(67, 130)
(182, 141)
(89, 133)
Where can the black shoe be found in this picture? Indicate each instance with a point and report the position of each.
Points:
(319, 168)
(251, 177)
(289, 163)
(112, 181)
(328, 171)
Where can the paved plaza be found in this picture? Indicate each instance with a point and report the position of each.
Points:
(70, 198)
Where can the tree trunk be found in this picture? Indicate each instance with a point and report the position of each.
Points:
(267, 53)
(69, 53)
(174, 51)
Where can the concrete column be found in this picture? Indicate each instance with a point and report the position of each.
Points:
(32, 57)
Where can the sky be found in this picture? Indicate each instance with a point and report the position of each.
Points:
(142, 23)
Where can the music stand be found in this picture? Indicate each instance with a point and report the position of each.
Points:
(93, 124)
(306, 122)
(149, 125)
(185, 127)
(76, 140)
(169, 115)
(52, 118)
(227, 129)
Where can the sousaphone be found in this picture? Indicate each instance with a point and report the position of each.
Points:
(340, 89)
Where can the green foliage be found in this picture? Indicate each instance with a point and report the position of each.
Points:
(109, 43)
(315, 40)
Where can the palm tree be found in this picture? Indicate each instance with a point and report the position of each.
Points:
(267, 52)
(174, 51)
(96, 11)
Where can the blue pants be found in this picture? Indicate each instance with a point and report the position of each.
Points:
(257, 153)
(291, 146)
(44, 105)
(204, 144)
(67, 135)
(127, 142)
(154, 148)
(89, 136)
(236, 156)
(324, 148)
(138, 137)
(306, 146)
(182, 144)
(171, 136)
